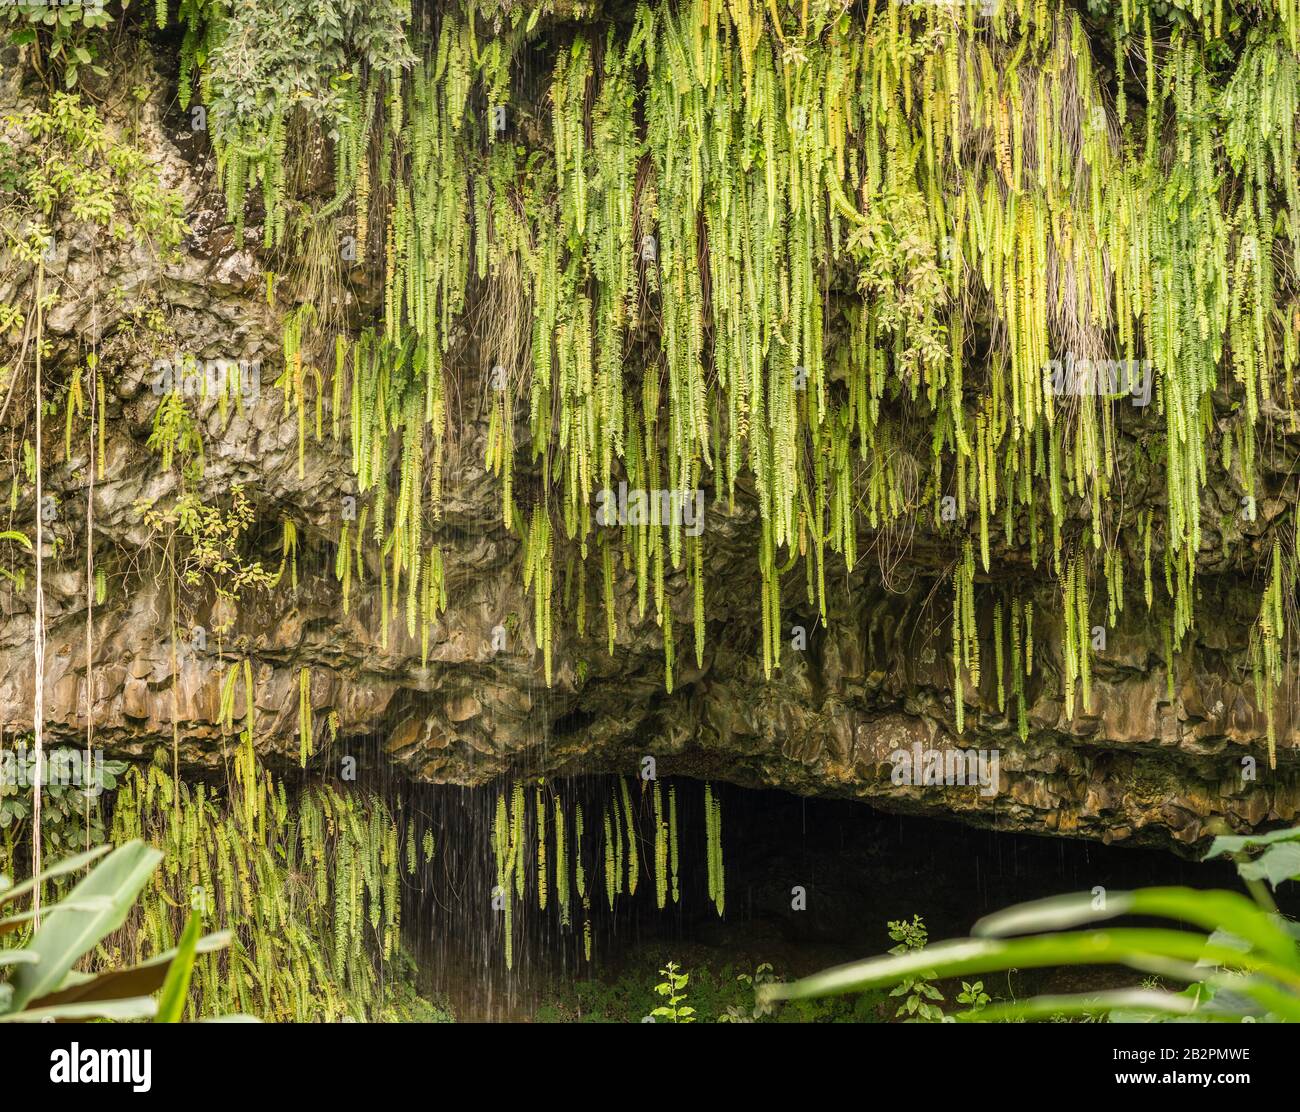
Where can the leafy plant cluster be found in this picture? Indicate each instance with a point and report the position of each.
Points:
(672, 988)
(60, 161)
(71, 815)
(213, 558)
(264, 62)
(922, 1000)
(62, 37)
(70, 162)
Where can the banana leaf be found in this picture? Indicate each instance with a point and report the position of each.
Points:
(9, 891)
(138, 980)
(65, 935)
(135, 1007)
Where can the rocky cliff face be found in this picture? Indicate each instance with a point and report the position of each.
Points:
(1140, 767)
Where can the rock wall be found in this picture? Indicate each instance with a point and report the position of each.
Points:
(874, 679)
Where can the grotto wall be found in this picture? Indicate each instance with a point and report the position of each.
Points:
(1140, 765)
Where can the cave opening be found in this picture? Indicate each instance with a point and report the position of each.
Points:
(808, 882)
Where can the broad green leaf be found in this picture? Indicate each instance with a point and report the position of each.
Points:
(1211, 909)
(1146, 949)
(67, 865)
(1140, 1006)
(64, 936)
(138, 980)
(137, 1007)
(1236, 843)
(1277, 864)
(13, 922)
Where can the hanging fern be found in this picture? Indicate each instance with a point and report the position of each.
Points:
(770, 258)
(299, 955)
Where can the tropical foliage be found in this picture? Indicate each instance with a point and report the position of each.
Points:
(1241, 960)
(1015, 281)
(71, 815)
(42, 982)
(308, 893)
(554, 849)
